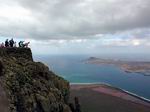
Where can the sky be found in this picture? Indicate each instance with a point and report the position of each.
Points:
(78, 26)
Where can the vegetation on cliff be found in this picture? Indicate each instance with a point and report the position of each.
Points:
(29, 85)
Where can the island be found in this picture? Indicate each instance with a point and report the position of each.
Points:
(141, 67)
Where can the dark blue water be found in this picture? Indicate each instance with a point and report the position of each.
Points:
(74, 70)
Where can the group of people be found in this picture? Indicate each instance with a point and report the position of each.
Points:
(12, 43)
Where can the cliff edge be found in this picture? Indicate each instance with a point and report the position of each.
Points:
(28, 86)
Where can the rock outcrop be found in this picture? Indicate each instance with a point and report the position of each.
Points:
(30, 86)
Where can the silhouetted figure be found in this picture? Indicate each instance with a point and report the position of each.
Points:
(15, 44)
(21, 44)
(6, 43)
(11, 42)
(77, 105)
(2, 45)
(26, 44)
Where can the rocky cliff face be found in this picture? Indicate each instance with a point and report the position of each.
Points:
(30, 86)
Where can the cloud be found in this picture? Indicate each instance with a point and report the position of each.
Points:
(74, 19)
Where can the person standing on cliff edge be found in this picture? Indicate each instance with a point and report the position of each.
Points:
(6, 43)
(11, 42)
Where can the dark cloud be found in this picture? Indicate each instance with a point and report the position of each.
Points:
(75, 19)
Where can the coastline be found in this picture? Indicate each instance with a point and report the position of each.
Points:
(135, 98)
(127, 66)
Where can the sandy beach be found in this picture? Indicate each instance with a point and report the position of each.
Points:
(104, 98)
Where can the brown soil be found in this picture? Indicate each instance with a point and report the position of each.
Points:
(101, 98)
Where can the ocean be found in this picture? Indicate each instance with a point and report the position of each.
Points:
(73, 69)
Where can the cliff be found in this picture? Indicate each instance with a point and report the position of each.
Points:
(30, 86)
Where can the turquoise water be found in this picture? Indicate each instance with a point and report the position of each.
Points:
(73, 69)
